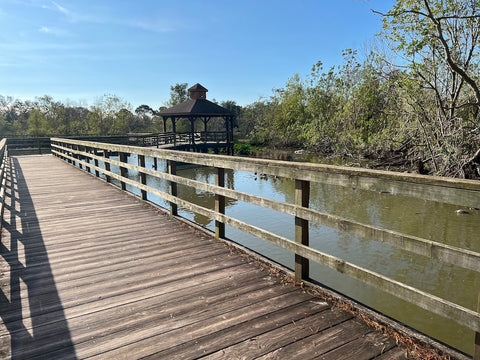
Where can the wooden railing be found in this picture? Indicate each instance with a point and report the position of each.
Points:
(3, 177)
(179, 138)
(28, 144)
(454, 191)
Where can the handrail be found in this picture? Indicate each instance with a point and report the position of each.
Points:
(455, 191)
(180, 138)
(3, 177)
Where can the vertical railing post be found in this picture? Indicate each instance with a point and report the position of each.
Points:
(78, 157)
(302, 198)
(220, 203)
(476, 353)
(106, 155)
(172, 170)
(87, 158)
(67, 151)
(123, 171)
(95, 162)
(143, 176)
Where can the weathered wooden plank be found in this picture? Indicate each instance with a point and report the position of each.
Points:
(364, 348)
(84, 294)
(198, 324)
(81, 278)
(141, 313)
(320, 343)
(136, 297)
(214, 341)
(272, 341)
(397, 353)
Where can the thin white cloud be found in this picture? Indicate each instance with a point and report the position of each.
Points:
(151, 25)
(62, 9)
(53, 31)
(148, 26)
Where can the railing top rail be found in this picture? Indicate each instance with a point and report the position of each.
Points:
(376, 180)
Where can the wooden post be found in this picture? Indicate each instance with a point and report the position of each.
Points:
(95, 162)
(476, 352)
(106, 155)
(67, 152)
(123, 171)
(302, 197)
(172, 170)
(87, 159)
(220, 203)
(77, 147)
(143, 176)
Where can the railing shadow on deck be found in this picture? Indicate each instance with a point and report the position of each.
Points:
(30, 306)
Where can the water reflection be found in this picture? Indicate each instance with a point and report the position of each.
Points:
(428, 219)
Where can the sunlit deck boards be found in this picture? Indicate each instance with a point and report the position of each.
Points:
(87, 271)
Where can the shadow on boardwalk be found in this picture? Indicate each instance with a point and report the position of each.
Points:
(30, 306)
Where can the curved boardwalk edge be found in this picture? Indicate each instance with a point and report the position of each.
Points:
(88, 271)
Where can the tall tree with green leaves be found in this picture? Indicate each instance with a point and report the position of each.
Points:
(178, 94)
(440, 41)
(37, 125)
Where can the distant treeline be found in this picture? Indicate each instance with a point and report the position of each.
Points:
(110, 115)
(421, 111)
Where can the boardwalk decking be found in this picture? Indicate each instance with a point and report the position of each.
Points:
(87, 271)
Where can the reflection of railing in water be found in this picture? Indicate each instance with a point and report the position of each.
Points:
(459, 192)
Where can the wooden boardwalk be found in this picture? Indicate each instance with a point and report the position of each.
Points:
(87, 271)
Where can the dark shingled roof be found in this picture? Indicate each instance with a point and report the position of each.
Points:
(197, 86)
(195, 107)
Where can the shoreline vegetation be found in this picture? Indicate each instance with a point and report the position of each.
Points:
(409, 103)
(389, 162)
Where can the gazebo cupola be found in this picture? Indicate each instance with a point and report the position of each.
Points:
(197, 91)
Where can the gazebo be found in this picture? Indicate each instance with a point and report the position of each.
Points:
(198, 107)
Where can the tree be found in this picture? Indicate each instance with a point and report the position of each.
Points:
(178, 94)
(144, 110)
(37, 126)
(440, 41)
(447, 31)
(122, 122)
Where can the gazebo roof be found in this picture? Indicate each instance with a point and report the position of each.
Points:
(195, 106)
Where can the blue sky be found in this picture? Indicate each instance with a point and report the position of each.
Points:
(240, 50)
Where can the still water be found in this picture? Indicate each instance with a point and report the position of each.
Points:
(427, 219)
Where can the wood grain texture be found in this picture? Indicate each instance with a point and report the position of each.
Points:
(88, 271)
